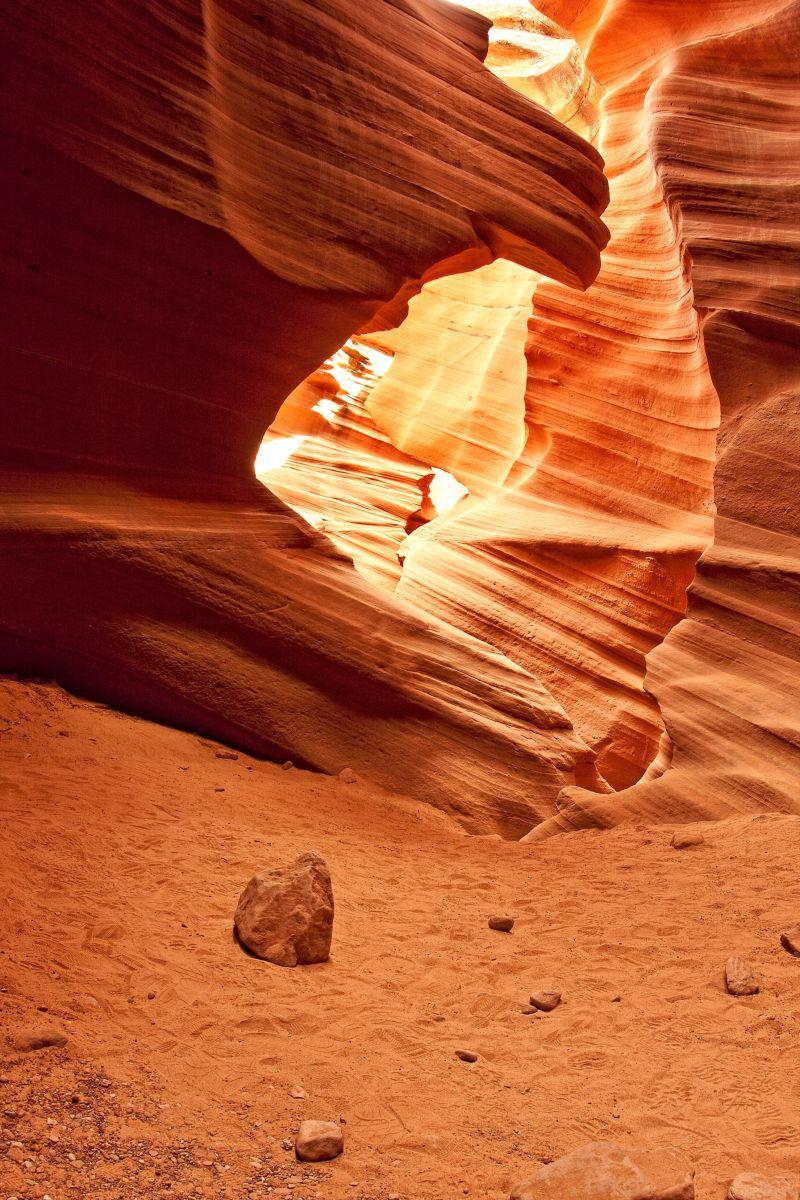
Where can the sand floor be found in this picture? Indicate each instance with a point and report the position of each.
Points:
(122, 861)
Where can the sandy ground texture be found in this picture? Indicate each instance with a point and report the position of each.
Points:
(124, 848)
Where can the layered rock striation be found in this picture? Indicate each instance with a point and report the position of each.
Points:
(203, 202)
(723, 127)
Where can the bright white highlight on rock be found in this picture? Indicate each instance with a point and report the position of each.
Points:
(275, 453)
(446, 491)
(326, 408)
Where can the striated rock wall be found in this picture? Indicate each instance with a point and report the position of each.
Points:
(588, 467)
(203, 202)
(723, 127)
(590, 505)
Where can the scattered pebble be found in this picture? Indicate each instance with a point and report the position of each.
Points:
(226, 754)
(685, 841)
(287, 766)
(296, 1092)
(739, 979)
(546, 1001)
(501, 924)
(468, 1056)
(527, 1010)
(151, 995)
(318, 1141)
(348, 776)
(616, 998)
(38, 1039)
(790, 940)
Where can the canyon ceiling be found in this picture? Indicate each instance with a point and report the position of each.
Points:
(524, 334)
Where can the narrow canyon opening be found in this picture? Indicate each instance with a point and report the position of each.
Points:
(459, 452)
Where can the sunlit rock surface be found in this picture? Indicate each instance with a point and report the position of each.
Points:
(487, 490)
(204, 202)
(723, 128)
(582, 425)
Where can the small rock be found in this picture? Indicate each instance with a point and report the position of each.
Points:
(749, 1186)
(348, 776)
(297, 1093)
(438, 1017)
(501, 924)
(38, 1039)
(616, 998)
(790, 940)
(602, 1171)
(318, 1141)
(546, 1001)
(219, 789)
(739, 979)
(685, 841)
(15, 1154)
(467, 1056)
(226, 754)
(287, 766)
(527, 1010)
(285, 916)
(151, 995)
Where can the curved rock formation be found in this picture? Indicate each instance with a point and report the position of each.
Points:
(589, 507)
(590, 487)
(723, 124)
(205, 201)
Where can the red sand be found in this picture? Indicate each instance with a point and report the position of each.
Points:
(122, 865)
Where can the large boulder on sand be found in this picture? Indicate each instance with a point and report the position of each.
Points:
(318, 1141)
(286, 915)
(602, 1171)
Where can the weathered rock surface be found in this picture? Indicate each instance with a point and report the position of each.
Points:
(749, 1186)
(467, 1056)
(711, 90)
(549, 641)
(602, 1171)
(790, 940)
(244, 153)
(38, 1039)
(739, 978)
(686, 841)
(285, 916)
(318, 1141)
(545, 1001)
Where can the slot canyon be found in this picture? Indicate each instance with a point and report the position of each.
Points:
(400, 464)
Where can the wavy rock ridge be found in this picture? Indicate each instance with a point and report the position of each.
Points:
(204, 202)
(589, 484)
(589, 508)
(723, 127)
(283, 178)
